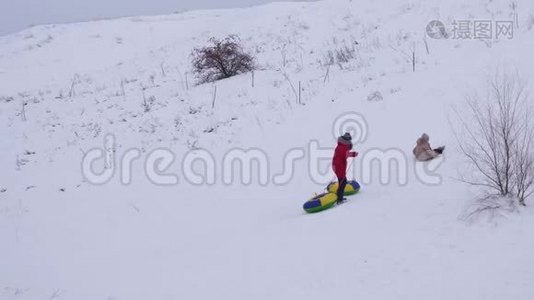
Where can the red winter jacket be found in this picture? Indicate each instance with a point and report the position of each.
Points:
(341, 154)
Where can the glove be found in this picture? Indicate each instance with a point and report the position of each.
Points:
(353, 154)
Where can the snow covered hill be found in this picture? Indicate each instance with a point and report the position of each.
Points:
(67, 89)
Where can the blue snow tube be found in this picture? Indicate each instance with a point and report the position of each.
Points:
(353, 187)
(320, 203)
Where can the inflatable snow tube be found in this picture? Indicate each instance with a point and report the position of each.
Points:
(352, 187)
(320, 203)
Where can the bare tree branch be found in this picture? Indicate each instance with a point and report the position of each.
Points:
(496, 136)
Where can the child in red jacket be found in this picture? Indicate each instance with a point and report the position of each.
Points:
(339, 163)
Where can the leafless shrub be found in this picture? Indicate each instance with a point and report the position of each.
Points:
(496, 136)
(123, 89)
(513, 6)
(162, 68)
(375, 96)
(194, 110)
(214, 97)
(286, 76)
(222, 59)
(23, 110)
(409, 56)
(6, 99)
(489, 207)
(283, 53)
(340, 55)
(152, 80)
(178, 123)
(147, 103)
(75, 81)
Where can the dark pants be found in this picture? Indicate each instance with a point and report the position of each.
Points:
(341, 189)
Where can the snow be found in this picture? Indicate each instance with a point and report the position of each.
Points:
(250, 241)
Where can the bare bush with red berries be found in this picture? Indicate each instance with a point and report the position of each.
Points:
(221, 59)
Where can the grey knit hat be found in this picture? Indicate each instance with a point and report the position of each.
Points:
(347, 137)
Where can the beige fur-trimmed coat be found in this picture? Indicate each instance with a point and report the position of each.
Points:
(422, 150)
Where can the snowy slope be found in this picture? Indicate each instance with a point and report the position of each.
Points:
(64, 238)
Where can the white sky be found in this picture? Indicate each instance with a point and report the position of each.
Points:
(16, 15)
